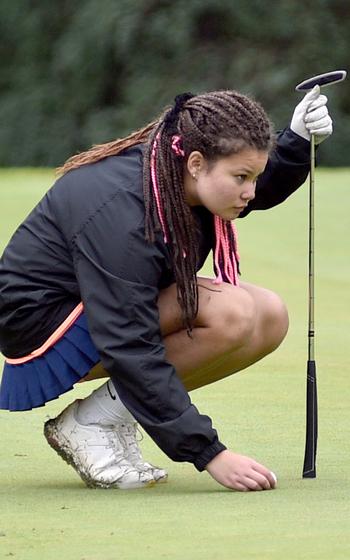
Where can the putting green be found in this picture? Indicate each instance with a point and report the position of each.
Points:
(47, 513)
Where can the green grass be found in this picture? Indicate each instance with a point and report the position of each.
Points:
(47, 513)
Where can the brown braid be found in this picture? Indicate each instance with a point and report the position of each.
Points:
(217, 124)
(102, 151)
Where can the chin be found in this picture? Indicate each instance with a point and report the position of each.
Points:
(229, 214)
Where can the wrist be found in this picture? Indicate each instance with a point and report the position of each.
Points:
(300, 131)
(294, 147)
(214, 460)
(208, 454)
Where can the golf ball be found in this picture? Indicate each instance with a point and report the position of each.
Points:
(274, 477)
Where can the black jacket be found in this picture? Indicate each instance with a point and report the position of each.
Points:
(85, 242)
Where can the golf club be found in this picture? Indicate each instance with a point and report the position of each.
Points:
(309, 468)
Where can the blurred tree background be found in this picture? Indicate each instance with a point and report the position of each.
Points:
(74, 73)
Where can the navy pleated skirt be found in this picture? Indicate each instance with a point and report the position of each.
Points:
(35, 382)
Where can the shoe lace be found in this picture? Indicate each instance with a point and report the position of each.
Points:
(114, 443)
(131, 435)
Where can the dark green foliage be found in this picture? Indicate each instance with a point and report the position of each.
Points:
(73, 74)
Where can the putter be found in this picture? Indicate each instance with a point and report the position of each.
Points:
(309, 468)
(322, 80)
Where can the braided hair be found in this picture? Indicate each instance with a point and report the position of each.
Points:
(217, 124)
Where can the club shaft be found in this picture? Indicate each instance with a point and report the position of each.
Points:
(311, 317)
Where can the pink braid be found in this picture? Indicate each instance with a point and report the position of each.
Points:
(235, 256)
(235, 260)
(222, 248)
(235, 237)
(155, 186)
(217, 225)
(227, 256)
(236, 253)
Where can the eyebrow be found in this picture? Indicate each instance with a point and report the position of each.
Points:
(247, 171)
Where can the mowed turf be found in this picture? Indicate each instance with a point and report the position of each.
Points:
(47, 513)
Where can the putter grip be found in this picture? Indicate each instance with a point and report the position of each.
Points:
(309, 470)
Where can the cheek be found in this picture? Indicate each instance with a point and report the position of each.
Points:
(217, 198)
(218, 186)
(225, 190)
(205, 187)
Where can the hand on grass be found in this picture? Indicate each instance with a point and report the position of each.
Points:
(240, 473)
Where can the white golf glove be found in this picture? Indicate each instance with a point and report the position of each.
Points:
(311, 117)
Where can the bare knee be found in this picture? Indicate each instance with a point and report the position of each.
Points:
(233, 318)
(274, 320)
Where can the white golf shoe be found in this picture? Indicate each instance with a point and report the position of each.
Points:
(128, 434)
(96, 452)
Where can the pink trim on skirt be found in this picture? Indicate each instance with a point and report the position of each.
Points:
(56, 335)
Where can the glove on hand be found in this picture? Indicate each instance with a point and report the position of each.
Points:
(311, 117)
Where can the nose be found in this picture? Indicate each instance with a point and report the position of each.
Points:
(249, 192)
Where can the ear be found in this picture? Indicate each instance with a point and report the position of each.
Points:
(195, 163)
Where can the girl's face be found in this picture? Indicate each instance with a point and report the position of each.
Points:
(225, 187)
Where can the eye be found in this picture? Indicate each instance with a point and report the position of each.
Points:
(241, 178)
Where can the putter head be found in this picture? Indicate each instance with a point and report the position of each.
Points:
(322, 80)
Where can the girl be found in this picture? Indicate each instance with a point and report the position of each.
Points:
(101, 280)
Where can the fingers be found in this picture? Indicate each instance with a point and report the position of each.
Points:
(268, 476)
(241, 487)
(258, 477)
(316, 114)
(311, 116)
(321, 124)
(311, 95)
(256, 482)
(317, 120)
(322, 133)
(320, 101)
(322, 127)
(241, 473)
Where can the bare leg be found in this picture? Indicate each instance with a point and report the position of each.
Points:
(235, 328)
(242, 326)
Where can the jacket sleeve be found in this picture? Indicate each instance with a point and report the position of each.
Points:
(118, 273)
(286, 170)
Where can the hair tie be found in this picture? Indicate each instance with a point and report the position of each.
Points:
(176, 145)
(170, 119)
(181, 99)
